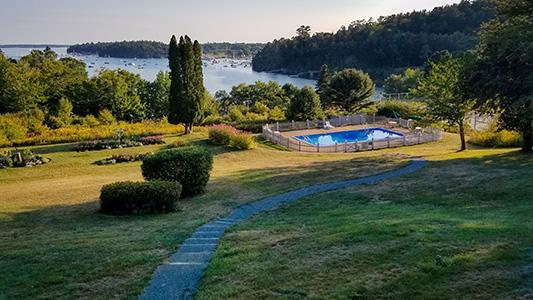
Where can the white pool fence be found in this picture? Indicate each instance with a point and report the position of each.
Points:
(272, 133)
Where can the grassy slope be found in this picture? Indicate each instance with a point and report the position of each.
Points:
(55, 245)
(380, 240)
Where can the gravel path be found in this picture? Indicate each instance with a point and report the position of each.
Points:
(179, 278)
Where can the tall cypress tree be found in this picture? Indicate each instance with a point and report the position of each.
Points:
(187, 91)
(173, 63)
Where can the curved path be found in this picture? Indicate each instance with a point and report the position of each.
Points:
(179, 278)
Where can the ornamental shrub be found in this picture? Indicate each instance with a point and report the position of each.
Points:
(243, 140)
(221, 134)
(139, 198)
(190, 166)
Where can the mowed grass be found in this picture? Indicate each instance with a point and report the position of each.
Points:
(54, 243)
(380, 240)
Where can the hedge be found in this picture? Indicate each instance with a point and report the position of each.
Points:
(190, 166)
(153, 197)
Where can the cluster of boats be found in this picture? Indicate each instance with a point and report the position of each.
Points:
(227, 63)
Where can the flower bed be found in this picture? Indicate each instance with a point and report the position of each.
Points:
(21, 158)
(123, 158)
(118, 143)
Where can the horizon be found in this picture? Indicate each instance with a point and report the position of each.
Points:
(34, 22)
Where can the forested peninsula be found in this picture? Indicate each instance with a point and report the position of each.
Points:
(153, 49)
(379, 47)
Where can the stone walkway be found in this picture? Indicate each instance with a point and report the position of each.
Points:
(179, 278)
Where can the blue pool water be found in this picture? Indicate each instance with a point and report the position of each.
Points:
(326, 139)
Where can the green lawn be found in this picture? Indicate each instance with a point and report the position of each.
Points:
(54, 244)
(380, 240)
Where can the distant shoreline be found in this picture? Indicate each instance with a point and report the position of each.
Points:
(33, 46)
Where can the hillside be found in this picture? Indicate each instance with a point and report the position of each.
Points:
(382, 45)
(152, 49)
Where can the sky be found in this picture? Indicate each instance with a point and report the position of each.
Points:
(74, 21)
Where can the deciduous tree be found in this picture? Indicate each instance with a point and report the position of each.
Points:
(447, 101)
(503, 74)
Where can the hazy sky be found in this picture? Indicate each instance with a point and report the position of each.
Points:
(75, 21)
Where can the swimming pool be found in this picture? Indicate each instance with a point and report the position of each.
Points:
(350, 136)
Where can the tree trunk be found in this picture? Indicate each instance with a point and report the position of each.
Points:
(188, 128)
(527, 144)
(462, 135)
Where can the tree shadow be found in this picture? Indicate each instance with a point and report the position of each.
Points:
(55, 148)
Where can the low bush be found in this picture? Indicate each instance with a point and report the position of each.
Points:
(153, 197)
(228, 135)
(123, 158)
(118, 143)
(255, 126)
(178, 144)
(404, 108)
(221, 134)
(20, 158)
(243, 140)
(503, 138)
(189, 166)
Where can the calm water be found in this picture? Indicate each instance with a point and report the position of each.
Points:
(220, 76)
(340, 137)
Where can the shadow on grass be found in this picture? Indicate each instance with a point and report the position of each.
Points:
(54, 149)
(34, 239)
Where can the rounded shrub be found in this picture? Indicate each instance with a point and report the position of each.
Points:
(189, 166)
(139, 198)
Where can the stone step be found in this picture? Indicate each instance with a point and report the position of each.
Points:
(201, 241)
(198, 248)
(191, 257)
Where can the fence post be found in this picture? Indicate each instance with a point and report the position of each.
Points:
(299, 146)
(404, 139)
(475, 121)
(374, 119)
(317, 147)
(335, 146)
(345, 146)
(307, 124)
(356, 146)
(277, 126)
(372, 143)
(388, 141)
(419, 137)
(292, 124)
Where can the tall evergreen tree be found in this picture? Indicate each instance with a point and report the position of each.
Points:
(187, 91)
(323, 81)
(175, 88)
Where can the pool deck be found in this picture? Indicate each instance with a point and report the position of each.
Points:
(344, 128)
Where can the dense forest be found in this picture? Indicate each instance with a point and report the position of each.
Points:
(232, 49)
(124, 49)
(152, 49)
(380, 46)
